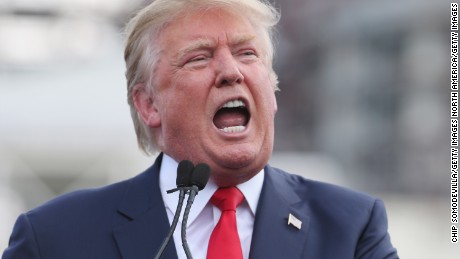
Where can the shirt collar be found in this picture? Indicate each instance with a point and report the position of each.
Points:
(251, 190)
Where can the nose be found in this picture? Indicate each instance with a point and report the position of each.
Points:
(227, 70)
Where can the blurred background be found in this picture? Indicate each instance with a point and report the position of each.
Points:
(364, 103)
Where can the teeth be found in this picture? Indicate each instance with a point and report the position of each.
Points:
(233, 129)
(233, 104)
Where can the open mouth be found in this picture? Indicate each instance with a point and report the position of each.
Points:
(232, 117)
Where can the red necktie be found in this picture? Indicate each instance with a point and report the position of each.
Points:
(224, 241)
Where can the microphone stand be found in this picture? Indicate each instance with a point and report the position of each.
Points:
(182, 191)
(192, 193)
(198, 180)
(189, 181)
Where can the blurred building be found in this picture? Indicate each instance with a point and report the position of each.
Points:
(367, 82)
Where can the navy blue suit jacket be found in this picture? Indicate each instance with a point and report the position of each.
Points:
(128, 220)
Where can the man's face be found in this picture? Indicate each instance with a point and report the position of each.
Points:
(213, 97)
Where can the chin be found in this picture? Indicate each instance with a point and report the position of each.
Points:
(241, 164)
(236, 157)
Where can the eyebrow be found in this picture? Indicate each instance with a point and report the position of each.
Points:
(204, 43)
(242, 39)
(200, 43)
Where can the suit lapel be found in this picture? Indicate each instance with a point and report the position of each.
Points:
(272, 236)
(142, 204)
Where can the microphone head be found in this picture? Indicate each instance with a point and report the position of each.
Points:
(184, 173)
(200, 175)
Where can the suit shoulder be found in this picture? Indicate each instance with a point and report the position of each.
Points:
(321, 192)
(83, 200)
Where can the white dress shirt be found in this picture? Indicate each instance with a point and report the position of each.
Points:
(203, 215)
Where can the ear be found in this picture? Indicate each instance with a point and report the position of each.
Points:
(145, 106)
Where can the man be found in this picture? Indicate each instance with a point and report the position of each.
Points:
(201, 88)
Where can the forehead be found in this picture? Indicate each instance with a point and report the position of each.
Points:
(204, 27)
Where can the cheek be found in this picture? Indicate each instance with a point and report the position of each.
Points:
(272, 108)
(191, 79)
(266, 100)
(269, 92)
(185, 102)
(273, 98)
(263, 93)
(192, 88)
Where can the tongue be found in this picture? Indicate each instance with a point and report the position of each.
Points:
(230, 117)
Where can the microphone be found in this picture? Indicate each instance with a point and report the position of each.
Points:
(183, 180)
(198, 181)
(184, 173)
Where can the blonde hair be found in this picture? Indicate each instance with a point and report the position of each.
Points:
(142, 53)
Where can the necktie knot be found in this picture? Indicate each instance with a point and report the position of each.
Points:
(227, 198)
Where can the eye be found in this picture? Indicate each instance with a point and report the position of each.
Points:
(197, 58)
(248, 53)
(196, 61)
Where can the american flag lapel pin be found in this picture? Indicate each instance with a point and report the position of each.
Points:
(292, 220)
